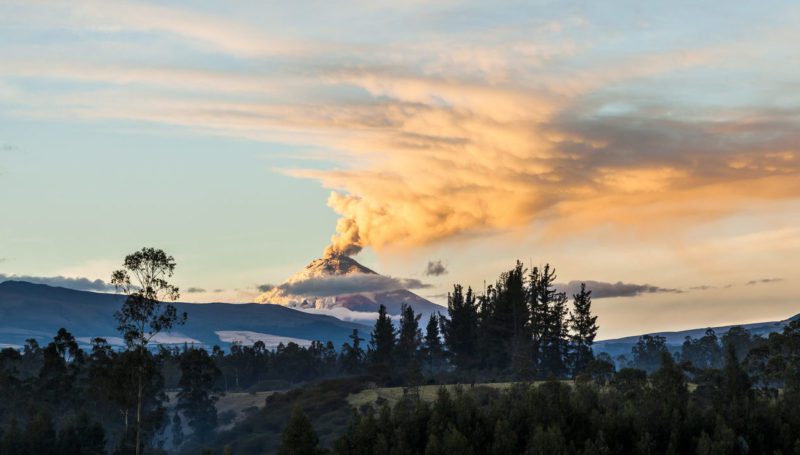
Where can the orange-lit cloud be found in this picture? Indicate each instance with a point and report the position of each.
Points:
(440, 137)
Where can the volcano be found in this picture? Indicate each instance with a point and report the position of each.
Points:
(343, 269)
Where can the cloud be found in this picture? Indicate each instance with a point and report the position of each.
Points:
(703, 287)
(218, 290)
(80, 284)
(265, 287)
(435, 268)
(349, 284)
(437, 296)
(194, 290)
(190, 27)
(453, 133)
(603, 290)
(763, 281)
(345, 314)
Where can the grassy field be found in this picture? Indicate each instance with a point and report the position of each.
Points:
(324, 402)
(238, 402)
(392, 395)
(234, 403)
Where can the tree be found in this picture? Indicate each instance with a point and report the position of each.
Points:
(352, 356)
(704, 352)
(505, 323)
(584, 329)
(65, 345)
(740, 338)
(669, 390)
(548, 321)
(504, 438)
(298, 436)
(196, 398)
(432, 344)
(647, 352)
(736, 384)
(55, 382)
(409, 337)
(40, 436)
(382, 344)
(146, 311)
(461, 328)
(129, 370)
(548, 441)
(82, 436)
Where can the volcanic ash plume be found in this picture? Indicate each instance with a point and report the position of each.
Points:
(346, 241)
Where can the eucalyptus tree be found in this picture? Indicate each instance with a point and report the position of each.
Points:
(146, 312)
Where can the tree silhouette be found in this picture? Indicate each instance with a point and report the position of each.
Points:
(584, 329)
(352, 355)
(298, 436)
(648, 351)
(146, 311)
(382, 343)
(432, 348)
(196, 397)
(461, 328)
(409, 336)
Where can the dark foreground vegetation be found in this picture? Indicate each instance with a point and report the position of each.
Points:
(731, 395)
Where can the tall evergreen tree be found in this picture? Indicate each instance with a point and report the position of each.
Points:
(584, 329)
(352, 354)
(382, 343)
(548, 310)
(409, 337)
(432, 344)
(461, 328)
(505, 322)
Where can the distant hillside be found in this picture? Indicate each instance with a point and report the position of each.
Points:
(38, 311)
(623, 346)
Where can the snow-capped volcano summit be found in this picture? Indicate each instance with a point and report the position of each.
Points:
(341, 282)
(336, 265)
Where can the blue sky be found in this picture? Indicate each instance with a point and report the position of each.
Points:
(627, 141)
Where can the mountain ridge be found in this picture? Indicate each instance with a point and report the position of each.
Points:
(37, 311)
(675, 338)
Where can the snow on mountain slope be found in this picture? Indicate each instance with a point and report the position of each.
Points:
(348, 274)
(37, 311)
(248, 338)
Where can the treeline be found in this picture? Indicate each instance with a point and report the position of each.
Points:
(741, 407)
(521, 327)
(771, 363)
(61, 399)
(53, 399)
